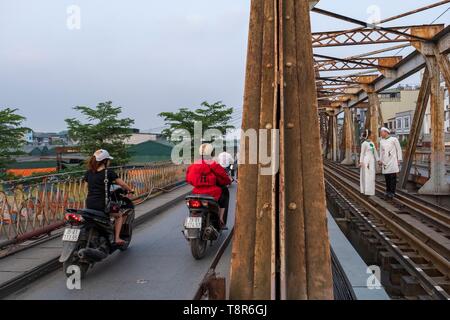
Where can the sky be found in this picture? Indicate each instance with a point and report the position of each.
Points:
(146, 56)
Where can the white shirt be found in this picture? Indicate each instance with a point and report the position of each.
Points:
(225, 159)
(390, 155)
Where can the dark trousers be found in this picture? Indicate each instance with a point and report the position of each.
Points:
(391, 183)
(224, 202)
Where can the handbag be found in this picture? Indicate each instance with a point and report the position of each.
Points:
(110, 206)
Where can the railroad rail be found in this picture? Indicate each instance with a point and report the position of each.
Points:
(425, 208)
(417, 242)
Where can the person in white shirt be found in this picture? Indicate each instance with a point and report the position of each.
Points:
(368, 162)
(225, 160)
(390, 158)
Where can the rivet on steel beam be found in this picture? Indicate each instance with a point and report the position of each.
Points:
(285, 84)
(288, 17)
(269, 65)
(270, 18)
(292, 206)
(266, 206)
(260, 214)
(290, 125)
(269, 126)
(289, 64)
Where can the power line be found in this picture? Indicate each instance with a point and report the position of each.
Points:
(440, 15)
(445, 11)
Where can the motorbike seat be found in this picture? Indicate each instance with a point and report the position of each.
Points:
(95, 214)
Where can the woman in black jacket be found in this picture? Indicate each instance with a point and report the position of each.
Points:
(96, 198)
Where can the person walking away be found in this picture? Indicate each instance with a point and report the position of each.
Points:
(209, 178)
(390, 158)
(226, 160)
(367, 163)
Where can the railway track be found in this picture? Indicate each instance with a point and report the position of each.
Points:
(413, 237)
(402, 198)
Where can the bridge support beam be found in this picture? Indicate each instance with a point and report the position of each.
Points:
(374, 112)
(323, 131)
(416, 128)
(332, 147)
(348, 137)
(438, 183)
(281, 247)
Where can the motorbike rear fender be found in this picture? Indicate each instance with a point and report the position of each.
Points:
(67, 251)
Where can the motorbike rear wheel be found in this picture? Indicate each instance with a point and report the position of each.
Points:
(198, 248)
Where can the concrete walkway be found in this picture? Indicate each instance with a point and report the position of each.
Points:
(17, 264)
(354, 267)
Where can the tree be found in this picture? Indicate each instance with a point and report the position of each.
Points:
(104, 130)
(11, 134)
(210, 116)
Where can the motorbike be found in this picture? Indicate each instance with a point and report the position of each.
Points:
(202, 224)
(231, 172)
(89, 235)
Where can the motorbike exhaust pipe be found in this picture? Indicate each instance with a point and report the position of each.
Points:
(211, 233)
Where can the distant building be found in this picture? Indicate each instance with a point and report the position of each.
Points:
(402, 123)
(398, 107)
(51, 139)
(29, 137)
(150, 151)
(397, 100)
(138, 138)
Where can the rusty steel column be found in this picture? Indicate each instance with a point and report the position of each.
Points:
(416, 128)
(374, 110)
(323, 132)
(305, 250)
(348, 136)
(243, 251)
(334, 138)
(329, 150)
(281, 248)
(438, 183)
(356, 132)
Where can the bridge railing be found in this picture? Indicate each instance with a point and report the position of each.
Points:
(34, 206)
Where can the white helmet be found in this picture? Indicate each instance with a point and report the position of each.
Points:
(101, 155)
(206, 149)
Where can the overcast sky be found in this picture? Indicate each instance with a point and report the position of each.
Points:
(146, 56)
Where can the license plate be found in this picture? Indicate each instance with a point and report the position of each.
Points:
(193, 223)
(71, 235)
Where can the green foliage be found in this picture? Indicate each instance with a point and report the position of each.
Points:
(211, 116)
(11, 134)
(104, 130)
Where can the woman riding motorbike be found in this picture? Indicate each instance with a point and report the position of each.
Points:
(96, 178)
(209, 178)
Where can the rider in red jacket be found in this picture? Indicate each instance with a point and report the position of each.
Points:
(209, 178)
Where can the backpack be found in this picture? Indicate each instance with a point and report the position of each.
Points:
(202, 176)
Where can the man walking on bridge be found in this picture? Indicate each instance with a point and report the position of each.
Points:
(390, 158)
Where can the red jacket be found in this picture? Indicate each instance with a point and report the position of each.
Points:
(207, 177)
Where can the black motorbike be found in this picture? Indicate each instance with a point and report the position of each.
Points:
(89, 236)
(202, 224)
(231, 171)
